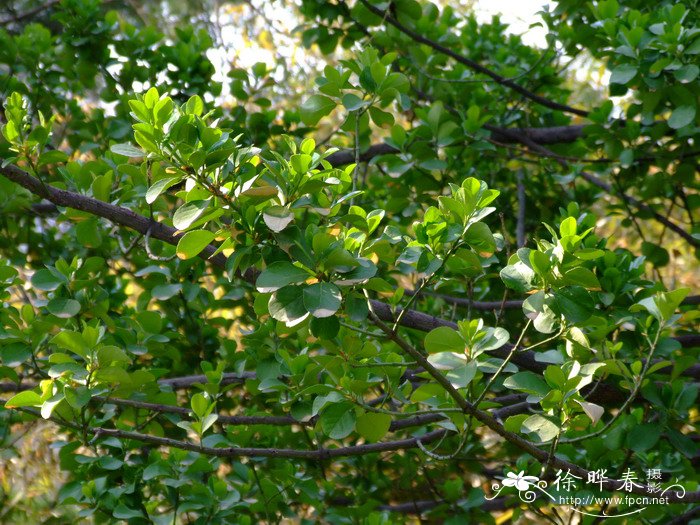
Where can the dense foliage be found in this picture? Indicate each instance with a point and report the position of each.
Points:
(445, 269)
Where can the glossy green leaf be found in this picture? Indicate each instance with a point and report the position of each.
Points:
(315, 108)
(127, 150)
(193, 242)
(279, 274)
(373, 426)
(63, 308)
(322, 299)
(444, 339)
(338, 420)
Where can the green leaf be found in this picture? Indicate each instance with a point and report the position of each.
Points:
(643, 437)
(208, 421)
(459, 371)
(48, 406)
(580, 276)
(663, 305)
(163, 110)
(593, 411)
(308, 146)
(73, 342)
(194, 106)
(315, 108)
(373, 426)
(541, 263)
(381, 118)
(159, 187)
(185, 215)
(574, 303)
(567, 227)
(280, 274)
(480, 238)
(127, 150)
(356, 307)
(465, 262)
(77, 397)
(192, 243)
(199, 405)
(338, 420)
(589, 254)
(687, 73)
(46, 280)
(444, 339)
(623, 74)
(24, 399)
(494, 338)
(352, 102)
(362, 273)
(63, 308)
(110, 354)
(287, 305)
(528, 382)
(325, 327)
(515, 423)
(322, 299)
(518, 277)
(122, 512)
(277, 218)
(53, 156)
(300, 163)
(538, 308)
(139, 111)
(684, 444)
(655, 254)
(163, 292)
(681, 117)
(545, 428)
(110, 463)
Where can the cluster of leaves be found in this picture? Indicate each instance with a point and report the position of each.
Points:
(652, 54)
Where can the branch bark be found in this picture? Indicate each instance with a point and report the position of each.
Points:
(548, 135)
(251, 452)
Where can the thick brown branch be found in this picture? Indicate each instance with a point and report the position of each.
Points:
(548, 135)
(229, 378)
(111, 212)
(514, 303)
(399, 424)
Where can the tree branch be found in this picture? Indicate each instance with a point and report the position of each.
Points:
(251, 452)
(125, 217)
(490, 422)
(30, 13)
(386, 17)
(547, 135)
(411, 318)
(608, 189)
